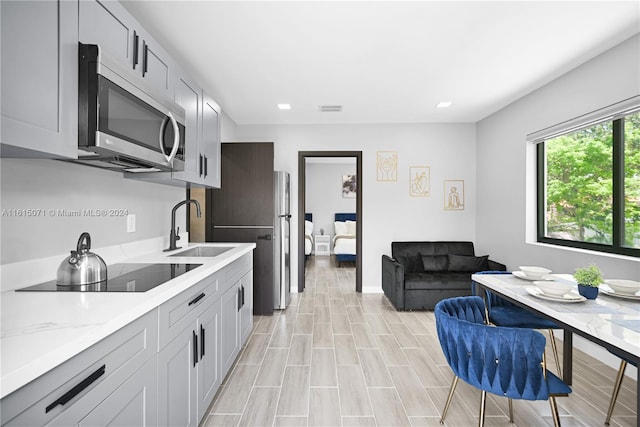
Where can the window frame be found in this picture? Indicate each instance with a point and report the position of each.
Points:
(617, 207)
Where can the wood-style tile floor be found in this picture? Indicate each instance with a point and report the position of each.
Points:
(338, 358)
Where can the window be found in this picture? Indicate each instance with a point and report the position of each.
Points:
(589, 187)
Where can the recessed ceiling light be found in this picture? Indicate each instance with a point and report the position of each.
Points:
(444, 104)
(284, 106)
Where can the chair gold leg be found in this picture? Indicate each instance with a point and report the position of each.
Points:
(554, 347)
(454, 383)
(511, 410)
(616, 390)
(554, 411)
(483, 404)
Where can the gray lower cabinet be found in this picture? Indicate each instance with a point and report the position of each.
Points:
(162, 369)
(237, 309)
(39, 74)
(230, 328)
(115, 378)
(134, 403)
(246, 311)
(189, 362)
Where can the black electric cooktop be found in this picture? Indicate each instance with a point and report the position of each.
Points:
(124, 278)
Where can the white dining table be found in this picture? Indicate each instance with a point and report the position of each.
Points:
(609, 321)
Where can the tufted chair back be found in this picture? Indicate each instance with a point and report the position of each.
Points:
(503, 361)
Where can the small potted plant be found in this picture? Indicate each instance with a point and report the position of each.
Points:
(588, 278)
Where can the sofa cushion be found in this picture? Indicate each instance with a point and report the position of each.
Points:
(415, 281)
(412, 263)
(471, 264)
(433, 263)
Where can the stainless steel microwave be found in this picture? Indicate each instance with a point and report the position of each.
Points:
(122, 126)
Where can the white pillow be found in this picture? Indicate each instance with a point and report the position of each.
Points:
(340, 227)
(351, 228)
(308, 227)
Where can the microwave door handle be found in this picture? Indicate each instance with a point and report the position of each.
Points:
(176, 137)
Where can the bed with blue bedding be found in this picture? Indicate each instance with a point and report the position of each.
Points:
(344, 240)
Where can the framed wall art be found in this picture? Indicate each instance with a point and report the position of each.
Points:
(387, 165)
(419, 181)
(454, 195)
(349, 186)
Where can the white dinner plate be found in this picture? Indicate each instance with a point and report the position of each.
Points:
(569, 297)
(520, 275)
(608, 291)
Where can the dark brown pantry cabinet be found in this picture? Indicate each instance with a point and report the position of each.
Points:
(242, 211)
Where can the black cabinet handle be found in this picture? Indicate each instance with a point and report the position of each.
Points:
(145, 56)
(201, 164)
(242, 287)
(195, 348)
(196, 299)
(201, 342)
(265, 237)
(239, 300)
(65, 398)
(136, 40)
(206, 164)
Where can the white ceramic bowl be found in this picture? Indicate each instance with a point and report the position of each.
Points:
(556, 289)
(621, 286)
(534, 272)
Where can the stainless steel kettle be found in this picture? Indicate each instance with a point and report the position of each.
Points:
(82, 267)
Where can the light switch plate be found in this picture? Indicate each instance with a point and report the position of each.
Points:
(131, 223)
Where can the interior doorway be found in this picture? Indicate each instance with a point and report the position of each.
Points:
(302, 157)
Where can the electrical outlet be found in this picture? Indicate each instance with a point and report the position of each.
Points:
(131, 223)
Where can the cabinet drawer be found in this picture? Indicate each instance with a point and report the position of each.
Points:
(81, 383)
(234, 271)
(183, 309)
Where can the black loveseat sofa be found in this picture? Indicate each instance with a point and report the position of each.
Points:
(419, 274)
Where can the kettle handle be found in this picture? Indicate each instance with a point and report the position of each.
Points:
(84, 237)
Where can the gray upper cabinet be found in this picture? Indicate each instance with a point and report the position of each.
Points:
(39, 79)
(202, 151)
(108, 24)
(188, 95)
(210, 145)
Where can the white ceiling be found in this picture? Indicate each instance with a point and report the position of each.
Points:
(384, 62)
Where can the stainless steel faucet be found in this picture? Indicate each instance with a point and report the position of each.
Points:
(173, 235)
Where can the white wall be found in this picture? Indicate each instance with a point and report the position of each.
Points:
(506, 163)
(324, 193)
(51, 185)
(506, 168)
(388, 212)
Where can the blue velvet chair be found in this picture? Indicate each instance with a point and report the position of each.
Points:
(507, 362)
(616, 388)
(501, 312)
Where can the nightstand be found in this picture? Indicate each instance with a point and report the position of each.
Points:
(322, 244)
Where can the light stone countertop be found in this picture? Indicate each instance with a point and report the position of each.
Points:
(41, 330)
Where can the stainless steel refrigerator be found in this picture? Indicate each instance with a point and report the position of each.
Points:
(282, 241)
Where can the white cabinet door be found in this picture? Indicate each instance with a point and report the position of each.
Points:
(39, 101)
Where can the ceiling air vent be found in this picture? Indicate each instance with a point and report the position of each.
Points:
(330, 108)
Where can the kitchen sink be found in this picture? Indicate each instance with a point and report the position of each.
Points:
(203, 251)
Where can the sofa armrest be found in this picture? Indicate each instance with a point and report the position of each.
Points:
(496, 266)
(393, 281)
